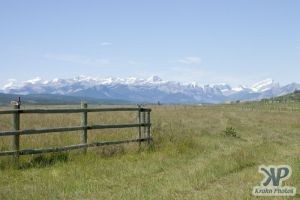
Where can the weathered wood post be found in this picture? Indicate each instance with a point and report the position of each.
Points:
(144, 122)
(16, 127)
(84, 124)
(139, 122)
(148, 127)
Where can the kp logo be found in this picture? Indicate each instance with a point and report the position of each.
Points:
(272, 183)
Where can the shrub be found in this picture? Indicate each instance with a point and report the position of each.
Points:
(231, 132)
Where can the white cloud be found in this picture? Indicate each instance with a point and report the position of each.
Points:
(78, 59)
(190, 60)
(106, 43)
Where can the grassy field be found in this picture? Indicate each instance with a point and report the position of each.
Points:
(191, 157)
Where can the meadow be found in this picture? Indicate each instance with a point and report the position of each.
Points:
(198, 152)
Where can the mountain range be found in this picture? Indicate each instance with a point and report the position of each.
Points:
(151, 90)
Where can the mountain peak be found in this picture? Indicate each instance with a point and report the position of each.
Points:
(11, 83)
(35, 80)
(154, 79)
(263, 85)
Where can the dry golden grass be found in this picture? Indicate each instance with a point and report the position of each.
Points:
(191, 157)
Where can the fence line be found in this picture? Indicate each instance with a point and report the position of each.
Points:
(71, 110)
(143, 120)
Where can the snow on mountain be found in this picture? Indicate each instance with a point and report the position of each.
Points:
(154, 80)
(11, 83)
(239, 88)
(148, 90)
(264, 85)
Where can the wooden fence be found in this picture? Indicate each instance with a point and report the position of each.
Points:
(143, 126)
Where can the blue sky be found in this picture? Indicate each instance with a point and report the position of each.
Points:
(208, 41)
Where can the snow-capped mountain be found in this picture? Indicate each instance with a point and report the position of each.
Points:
(149, 90)
(264, 85)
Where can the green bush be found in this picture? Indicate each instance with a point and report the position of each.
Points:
(231, 132)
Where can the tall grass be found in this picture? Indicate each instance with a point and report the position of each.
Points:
(191, 157)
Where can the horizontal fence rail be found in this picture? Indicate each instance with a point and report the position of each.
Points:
(143, 124)
(71, 147)
(67, 129)
(71, 110)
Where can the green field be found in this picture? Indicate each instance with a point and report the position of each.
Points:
(191, 157)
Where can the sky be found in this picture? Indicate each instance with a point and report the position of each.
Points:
(207, 41)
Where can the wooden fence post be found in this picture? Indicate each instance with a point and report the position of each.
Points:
(144, 122)
(84, 123)
(148, 127)
(16, 127)
(139, 122)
